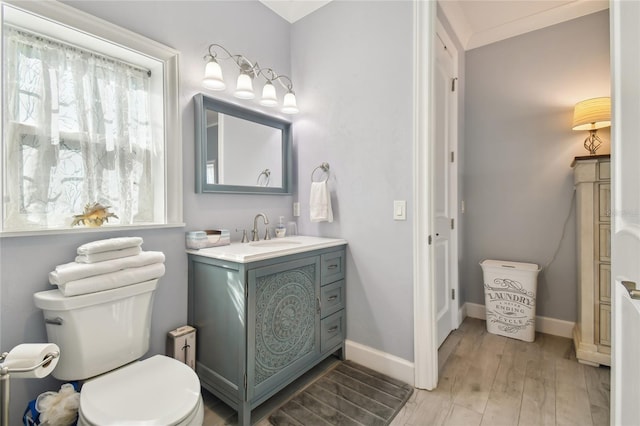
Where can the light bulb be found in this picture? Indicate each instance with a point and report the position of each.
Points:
(269, 98)
(244, 87)
(213, 76)
(289, 104)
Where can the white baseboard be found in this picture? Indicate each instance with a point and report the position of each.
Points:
(545, 325)
(385, 363)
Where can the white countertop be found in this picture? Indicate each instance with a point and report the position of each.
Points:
(267, 249)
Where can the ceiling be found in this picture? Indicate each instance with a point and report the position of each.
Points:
(477, 22)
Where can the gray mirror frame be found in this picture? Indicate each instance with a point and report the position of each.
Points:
(203, 103)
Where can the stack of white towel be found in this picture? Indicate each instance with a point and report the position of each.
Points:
(106, 264)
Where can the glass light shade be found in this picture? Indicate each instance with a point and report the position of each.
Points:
(592, 114)
(244, 87)
(269, 98)
(213, 76)
(289, 104)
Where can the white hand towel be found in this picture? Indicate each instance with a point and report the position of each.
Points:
(112, 280)
(75, 271)
(320, 203)
(109, 244)
(108, 255)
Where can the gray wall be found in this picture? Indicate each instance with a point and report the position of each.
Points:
(518, 183)
(189, 27)
(354, 66)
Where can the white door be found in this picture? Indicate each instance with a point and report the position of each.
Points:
(625, 261)
(444, 188)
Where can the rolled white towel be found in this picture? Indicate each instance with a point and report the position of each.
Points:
(112, 280)
(108, 255)
(75, 271)
(109, 244)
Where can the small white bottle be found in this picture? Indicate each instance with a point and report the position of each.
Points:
(281, 230)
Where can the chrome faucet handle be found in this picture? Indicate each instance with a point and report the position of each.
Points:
(267, 234)
(245, 239)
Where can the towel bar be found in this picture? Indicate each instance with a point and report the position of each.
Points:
(325, 168)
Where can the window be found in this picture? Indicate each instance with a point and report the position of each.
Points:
(85, 120)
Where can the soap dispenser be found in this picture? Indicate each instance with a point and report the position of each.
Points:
(281, 230)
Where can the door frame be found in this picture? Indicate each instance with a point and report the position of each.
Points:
(424, 312)
(424, 315)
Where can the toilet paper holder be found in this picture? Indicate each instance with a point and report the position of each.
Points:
(5, 373)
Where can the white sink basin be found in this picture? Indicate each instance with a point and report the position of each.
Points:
(267, 249)
(274, 243)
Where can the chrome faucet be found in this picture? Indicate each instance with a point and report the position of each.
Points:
(254, 231)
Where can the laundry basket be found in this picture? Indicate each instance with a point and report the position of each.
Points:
(510, 298)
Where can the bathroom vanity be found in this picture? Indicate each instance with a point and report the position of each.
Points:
(592, 332)
(265, 312)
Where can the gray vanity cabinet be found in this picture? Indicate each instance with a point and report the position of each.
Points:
(260, 325)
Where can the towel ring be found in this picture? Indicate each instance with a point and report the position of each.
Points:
(325, 168)
(267, 176)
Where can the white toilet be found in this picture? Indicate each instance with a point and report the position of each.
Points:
(101, 336)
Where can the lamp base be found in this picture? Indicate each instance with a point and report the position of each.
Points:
(592, 142)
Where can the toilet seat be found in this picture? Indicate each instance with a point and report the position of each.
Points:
(156, 391)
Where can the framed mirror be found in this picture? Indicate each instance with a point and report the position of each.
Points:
(239, 150)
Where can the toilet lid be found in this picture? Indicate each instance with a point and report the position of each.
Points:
(156, 391)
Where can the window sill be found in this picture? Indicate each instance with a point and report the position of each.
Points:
(82, 230)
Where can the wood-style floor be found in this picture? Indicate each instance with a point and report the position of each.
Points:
(484, 380)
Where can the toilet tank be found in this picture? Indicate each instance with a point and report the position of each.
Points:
(98, 332)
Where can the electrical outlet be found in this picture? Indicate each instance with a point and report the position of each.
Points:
(296, 209)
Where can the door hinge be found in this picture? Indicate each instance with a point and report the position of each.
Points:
(453, 294)
(245, 382)
(452, 157)
(453, 226)
(246, 292)
(453, 84)
(429, 239)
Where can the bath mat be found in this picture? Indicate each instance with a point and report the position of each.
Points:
(349, 394)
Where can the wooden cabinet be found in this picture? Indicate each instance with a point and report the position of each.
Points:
(260, 325)
(592, 333)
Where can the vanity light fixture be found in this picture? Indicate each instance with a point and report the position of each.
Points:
(244, 86)
(592, 114)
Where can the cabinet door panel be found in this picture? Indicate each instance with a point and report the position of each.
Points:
(605, 282)
(605, 325)
(604, 202)
(219, 319)
(284, 320)
(605, 243)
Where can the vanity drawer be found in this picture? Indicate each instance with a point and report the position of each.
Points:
(332, 267)
(331, 298)
(332, 331)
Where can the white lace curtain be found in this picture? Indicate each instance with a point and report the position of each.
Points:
(77, 131)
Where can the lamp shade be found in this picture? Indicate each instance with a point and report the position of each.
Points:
(244, 87)
(592, 114)
(289, 104)
(269, 98)
(213, 76)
